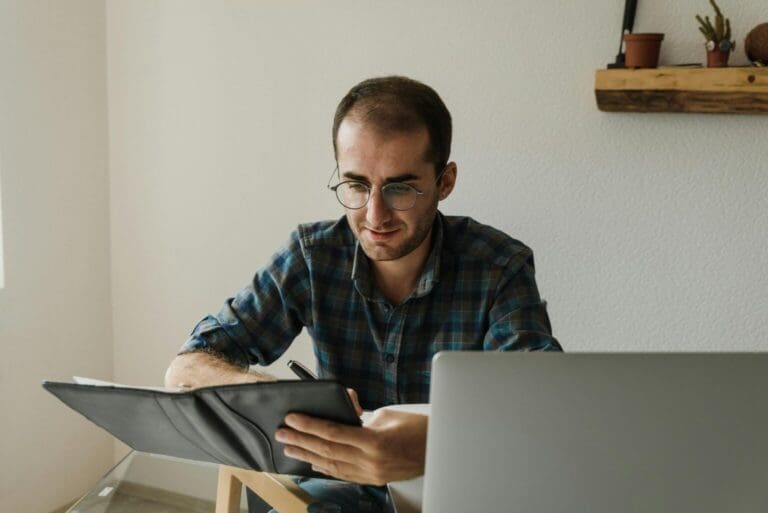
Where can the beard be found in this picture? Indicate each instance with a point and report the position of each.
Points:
(384, 251)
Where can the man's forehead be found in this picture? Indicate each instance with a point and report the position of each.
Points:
(362, 146)
(384, 169)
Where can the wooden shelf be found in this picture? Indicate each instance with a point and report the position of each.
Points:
(712, 90)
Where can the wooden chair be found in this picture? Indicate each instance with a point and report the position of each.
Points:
(276, 490)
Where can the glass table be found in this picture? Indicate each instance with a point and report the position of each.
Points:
(150, 483)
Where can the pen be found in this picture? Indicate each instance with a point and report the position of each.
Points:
(302, 372)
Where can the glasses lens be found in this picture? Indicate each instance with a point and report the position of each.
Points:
(352, 194)
(399, 196)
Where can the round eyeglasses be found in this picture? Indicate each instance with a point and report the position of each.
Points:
(354, 194)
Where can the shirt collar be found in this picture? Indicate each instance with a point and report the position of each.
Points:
(430, 275)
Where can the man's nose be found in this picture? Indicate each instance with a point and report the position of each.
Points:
(378, 213)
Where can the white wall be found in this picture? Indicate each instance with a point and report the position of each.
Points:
(648, 229)
(55, 308)
(2, 266)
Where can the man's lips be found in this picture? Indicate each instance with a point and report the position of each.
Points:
(379, 235)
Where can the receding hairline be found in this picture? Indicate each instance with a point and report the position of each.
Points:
(387, 118)
(382, 122)
(386, 132)
(395, 104)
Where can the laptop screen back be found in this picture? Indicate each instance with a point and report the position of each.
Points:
(598, 433)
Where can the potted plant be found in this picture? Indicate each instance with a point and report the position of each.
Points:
(642, 50)
(719, 44)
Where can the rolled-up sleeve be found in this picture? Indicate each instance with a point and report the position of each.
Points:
(258, 324)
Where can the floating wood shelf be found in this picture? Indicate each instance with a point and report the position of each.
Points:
(713, 90)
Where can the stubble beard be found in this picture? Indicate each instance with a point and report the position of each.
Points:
(381, 252)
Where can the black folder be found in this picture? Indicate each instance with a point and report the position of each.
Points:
(230, 424)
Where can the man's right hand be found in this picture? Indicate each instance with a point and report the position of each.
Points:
(200, 369)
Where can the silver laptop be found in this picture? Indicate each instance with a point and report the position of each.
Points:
(598, 433)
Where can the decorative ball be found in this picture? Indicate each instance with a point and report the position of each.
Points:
(756, 44)
(725, 46)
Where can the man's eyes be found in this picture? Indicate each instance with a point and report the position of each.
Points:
(392, 188)
(357, 187)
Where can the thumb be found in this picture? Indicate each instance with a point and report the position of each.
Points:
(355, 401)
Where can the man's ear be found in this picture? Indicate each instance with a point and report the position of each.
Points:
(448, 180)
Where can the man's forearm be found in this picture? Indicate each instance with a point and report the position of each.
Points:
(200, 369)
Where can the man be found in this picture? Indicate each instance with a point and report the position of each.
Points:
(380, 291)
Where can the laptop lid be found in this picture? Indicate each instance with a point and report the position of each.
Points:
(598, 433)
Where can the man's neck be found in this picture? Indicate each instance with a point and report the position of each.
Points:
(397, 279)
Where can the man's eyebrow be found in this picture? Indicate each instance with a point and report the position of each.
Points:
(405, 177)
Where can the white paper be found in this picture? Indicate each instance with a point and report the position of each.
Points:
(100, 383)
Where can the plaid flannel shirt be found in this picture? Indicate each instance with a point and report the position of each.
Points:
(477, 292)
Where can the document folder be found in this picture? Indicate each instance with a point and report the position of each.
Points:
(230, 424)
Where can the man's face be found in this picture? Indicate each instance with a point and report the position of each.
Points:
(377, 159)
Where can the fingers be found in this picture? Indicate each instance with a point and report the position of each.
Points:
(315, 450)
(348, 471)
(325, 464)
(353, 453)
(355, 401)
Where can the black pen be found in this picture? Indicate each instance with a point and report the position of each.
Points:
(302, 372)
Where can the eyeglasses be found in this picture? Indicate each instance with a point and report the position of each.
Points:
(354, 195)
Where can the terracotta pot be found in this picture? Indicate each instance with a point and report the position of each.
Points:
(642, 50)
(756, 44)
(717, 58)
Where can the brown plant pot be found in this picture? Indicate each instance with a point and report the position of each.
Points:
(717, 58)
(756, 44)
(642, 50)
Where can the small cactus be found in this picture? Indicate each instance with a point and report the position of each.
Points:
(718, 36)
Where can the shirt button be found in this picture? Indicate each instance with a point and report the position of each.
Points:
(389, 358)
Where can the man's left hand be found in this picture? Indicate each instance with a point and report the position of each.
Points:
(390, 447)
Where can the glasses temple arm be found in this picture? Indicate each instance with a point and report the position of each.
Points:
(335, 170)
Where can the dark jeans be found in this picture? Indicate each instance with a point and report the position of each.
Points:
(335, 497)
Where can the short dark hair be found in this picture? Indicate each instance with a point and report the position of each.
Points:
(399, 104)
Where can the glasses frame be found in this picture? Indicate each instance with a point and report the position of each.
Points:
(335, 188)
